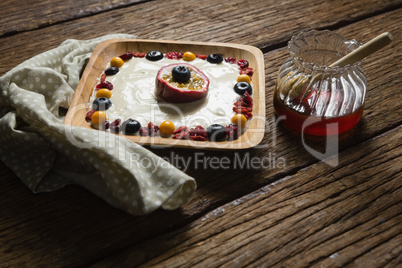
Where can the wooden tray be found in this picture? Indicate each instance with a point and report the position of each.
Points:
(106, 50)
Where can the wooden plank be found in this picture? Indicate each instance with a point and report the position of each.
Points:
(17, 16)
(43, 229)
(318, 217)
(218, 21)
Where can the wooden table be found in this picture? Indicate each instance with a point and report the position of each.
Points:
(301, 213)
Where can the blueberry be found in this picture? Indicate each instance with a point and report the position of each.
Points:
(181, 74)
(216, 132)
(242, 87)
(111, 71)
(215, 58)
(154, 55)
(101, 104)
(130, 126)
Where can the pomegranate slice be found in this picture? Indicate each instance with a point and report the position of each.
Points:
(172, 91)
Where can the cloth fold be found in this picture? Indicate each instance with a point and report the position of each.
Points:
(47, 155)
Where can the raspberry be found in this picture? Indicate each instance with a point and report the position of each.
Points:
(174, 55)
(105, 84)
(201, 57)
(230, 60)
(242, 63)
(139, 55)
(126, 56)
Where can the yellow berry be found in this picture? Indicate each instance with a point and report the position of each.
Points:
(244, 78)
(98, 118)
(104, 92)
(116, 62)
(166, 128)
(189, 56)
(240, 120)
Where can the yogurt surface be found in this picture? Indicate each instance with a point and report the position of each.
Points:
(134, 86)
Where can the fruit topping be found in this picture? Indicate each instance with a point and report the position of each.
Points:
(115, 126)
(143, 131)
(103, 78)
(174, 55)
(248, 71)
(201, 57)
(139, 55)
(101, 104)
(105, 126)
(130, 126)
(215, 58)
(88, 115)
(216, 132)
(181, 133)
(154, 55)
(98, 119)
(170, 90)
(244, 78)
(189, 56)
(244, 105)
(232, 131)
(230, 60)
(242, 87)
(105, 84)
(243, 63)
(166, 129)
(240, 120)
(181, 74)
(104, 92)
(111, 71)
(126, 56)
(116, 62)
(198, 133)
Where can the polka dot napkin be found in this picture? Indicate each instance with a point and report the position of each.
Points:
(47, 155)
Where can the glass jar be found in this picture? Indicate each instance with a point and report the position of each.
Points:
(312, 97)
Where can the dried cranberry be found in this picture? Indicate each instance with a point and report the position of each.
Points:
(126, 56)
(89, 114)
(242, 63)
(180, 129)
(143, 131)
(201, 57)
(139, 55)
(198, 131)
(103, 78)
(181, 133)
(115, 126)
(174, 55)
(248, 71)
(230, 60)
(105, 84)
(152, 129)
(232, 131)
(105, 125)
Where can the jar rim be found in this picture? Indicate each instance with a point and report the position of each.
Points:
(310, 38)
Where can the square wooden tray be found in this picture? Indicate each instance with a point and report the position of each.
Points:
(106, 50)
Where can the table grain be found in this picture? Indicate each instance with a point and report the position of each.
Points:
(296, 212)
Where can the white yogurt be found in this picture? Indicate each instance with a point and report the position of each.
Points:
(134, 86)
